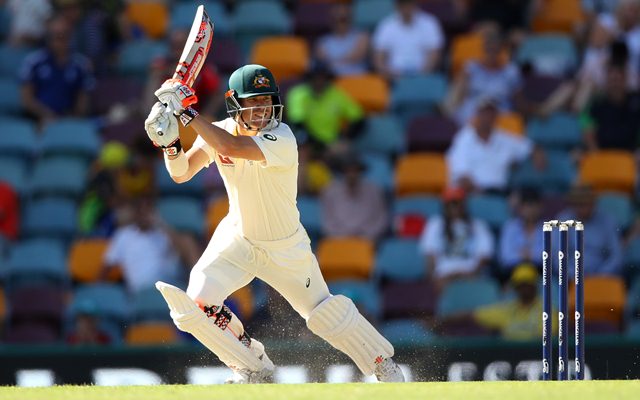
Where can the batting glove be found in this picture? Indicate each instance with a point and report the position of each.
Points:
(162, 129)
(176, 96)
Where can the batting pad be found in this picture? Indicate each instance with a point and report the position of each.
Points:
(188, 317)
(338, 321)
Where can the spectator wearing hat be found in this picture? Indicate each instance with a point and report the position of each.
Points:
(407, 42)
(518, 318)
(520, 239)
(455, 245)
(602, 244)
(481, 155)
(353, 206)
(322, 112)
(345, 48)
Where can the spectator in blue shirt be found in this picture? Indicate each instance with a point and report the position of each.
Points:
(602, 246)
(55, 81)
(520, 239)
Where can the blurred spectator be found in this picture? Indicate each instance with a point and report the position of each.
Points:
(518, 318)
(85, 330)
(146, 250)
(481, 154)
(208, 86)
(491, 76)
(612, 120)
(97, 213)
(55, 81)
(353, 206)
(28, 21)
(602, 247)
(137, 178)
(345, 49)
(623, 24)
(520, 239)
(322, 111)
(95, 28)
(456, 245)
(407, 42)
(313, 173)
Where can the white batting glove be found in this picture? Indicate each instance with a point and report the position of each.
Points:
(162, 129)
(176, 96)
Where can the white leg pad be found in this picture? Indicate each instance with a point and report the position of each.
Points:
(188, 317)
(338, 321)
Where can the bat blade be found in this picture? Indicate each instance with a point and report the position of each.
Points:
(196, 48)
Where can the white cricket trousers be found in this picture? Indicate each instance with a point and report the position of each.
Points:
(231, 261)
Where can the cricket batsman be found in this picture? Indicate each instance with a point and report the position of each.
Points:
(261, 236)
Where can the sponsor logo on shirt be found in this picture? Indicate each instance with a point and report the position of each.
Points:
(225, 160)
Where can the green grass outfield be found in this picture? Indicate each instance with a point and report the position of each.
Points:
(437, 390)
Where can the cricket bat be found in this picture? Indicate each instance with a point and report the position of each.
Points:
(195, 51)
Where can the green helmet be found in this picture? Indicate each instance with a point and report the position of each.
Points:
(250, 81)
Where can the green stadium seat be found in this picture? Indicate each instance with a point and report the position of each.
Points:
(383, 134)
(183, 213)
(550, 54)
(368, 13)
(36, 261)
(399, 260)
(493, 209)
(556, 178)
(59, 176)
(559, 131)
(71, 136)
(50, 217)
(136, 57)
(363, 293)
(465, 295)
(273, 21)
(618, 206)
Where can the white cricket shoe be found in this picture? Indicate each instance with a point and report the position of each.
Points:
(243, 375)
(388, 371)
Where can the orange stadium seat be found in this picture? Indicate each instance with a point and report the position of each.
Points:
(511, 122)
(344, 258)
(85, 261)
(151, 16)
(150, 333)
(286, 56)
(243, 299)
(216, 210)
(421, 173)
(371, 91)
(558, 16)
(604, 299)
(468, 47)
(609, 170)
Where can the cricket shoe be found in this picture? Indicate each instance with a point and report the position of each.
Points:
(244, 375)
(388, 371)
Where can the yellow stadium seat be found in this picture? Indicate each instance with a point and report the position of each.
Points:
(468, 47)
(150, 333)
(86, 260)
(344, 258)
(558, 16)
(151, 16)
(421, 173)
(371, 91)
(217, 210)
(511, 122)
(609, 170)
(604, 299)
(286, 56)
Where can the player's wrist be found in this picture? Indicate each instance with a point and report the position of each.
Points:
(187, 115)
(173, 150)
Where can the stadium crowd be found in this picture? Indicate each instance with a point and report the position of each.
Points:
(434, 137)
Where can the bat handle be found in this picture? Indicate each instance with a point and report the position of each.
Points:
(165, 124)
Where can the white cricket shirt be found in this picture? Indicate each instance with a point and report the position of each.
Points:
(262, 195)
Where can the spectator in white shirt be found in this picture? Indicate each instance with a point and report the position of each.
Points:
(145, 250)
(407, 42)
(481, 155)
(455, 245)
